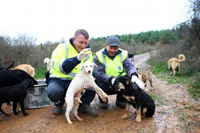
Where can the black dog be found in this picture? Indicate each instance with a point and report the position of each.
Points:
(15, 94)
(131, 56)
(14, 77)
(140, 100)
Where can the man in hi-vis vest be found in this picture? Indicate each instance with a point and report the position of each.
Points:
(66, 60)
(112, 62)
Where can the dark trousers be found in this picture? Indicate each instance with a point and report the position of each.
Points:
(57, 88)
(106, 88)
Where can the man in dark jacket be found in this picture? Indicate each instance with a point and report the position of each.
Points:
(112, 62)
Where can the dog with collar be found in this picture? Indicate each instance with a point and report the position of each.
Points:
(82, 80)
(15, 93)
(135, 96)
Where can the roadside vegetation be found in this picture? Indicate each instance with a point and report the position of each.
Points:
(187, 44)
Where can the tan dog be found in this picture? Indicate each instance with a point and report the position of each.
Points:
(174, 64)
(27, 68)
(144, 76)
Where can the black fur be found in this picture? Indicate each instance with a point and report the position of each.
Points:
(15, 93)
(14, 77)
(47, 76)
(131, 56)
(141, 98)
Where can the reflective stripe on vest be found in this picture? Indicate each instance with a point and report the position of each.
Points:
(70, 52)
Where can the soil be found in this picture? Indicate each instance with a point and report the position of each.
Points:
(176, 112)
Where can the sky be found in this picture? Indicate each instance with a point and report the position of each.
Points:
(54, 20)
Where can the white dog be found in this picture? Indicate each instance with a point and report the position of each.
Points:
(82, 80)
(47, 61)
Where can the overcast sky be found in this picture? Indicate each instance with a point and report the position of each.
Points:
(56, 19)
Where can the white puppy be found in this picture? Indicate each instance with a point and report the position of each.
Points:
(47, 61)
(82, 80)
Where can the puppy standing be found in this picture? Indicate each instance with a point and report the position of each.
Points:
(145, 76)
(82, 80)
(135, 96)
(27, 68)
(174, 64)
(16, 94)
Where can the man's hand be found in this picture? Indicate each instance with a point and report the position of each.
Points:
(137, 81)
(83, 54)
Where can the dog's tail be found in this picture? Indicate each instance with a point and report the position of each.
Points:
(6, 68)
(181, 58)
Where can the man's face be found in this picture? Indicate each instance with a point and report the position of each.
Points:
(80, 42)
(112, 50)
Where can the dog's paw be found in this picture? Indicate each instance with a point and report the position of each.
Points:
(7, 114)
(124, 116)
(69, 122)
(138, 119)
(25, 114)
(104, 99)
(80, 119)
(16, 113)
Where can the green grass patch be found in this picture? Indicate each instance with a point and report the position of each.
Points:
(164, 74)
(189, 107)
(159, 69)
(40, 73)
(159, 99)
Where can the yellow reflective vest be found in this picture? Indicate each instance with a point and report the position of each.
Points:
(113, 67)
(63, 51)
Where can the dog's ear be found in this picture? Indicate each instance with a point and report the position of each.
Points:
(127, 81)
(81, 67)
(95, 65)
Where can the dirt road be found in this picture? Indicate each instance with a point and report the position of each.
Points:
(176, 112)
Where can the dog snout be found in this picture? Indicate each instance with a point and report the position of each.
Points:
(89, 71)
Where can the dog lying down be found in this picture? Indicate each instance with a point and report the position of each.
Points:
(135, 96)
(82, 80)
(174, 64)
(27, 68)
(15, 94)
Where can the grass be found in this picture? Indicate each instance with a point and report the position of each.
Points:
(159, 99)
(164, 74)
(40, 73)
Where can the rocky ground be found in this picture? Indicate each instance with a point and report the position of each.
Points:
(176, 112)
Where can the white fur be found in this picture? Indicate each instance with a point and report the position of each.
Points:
(82, 80)
(47, 61)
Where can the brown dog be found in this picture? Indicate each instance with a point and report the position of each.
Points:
(144, 76)
(27, 68)
(174, 64)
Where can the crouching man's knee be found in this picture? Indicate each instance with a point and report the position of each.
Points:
(55, 92)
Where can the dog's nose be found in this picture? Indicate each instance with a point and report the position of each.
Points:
(89, 71)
